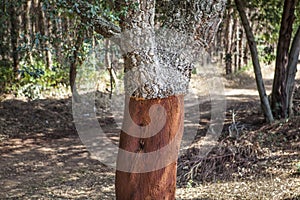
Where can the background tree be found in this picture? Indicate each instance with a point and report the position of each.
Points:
(255, 59)
(286, 64)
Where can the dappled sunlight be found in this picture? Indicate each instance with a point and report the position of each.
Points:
(46, 158)
(49, 160)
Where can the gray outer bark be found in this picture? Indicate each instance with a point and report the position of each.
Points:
(292, 70)
(151, 72)
(200, 18)
(257, 69)
(147, 77)
(158, 64)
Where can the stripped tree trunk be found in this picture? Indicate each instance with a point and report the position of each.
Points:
(148, 85)
(161, 183)
(157, 183)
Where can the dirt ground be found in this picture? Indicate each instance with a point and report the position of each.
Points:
(42, 156)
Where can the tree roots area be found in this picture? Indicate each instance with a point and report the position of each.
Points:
(42, 156)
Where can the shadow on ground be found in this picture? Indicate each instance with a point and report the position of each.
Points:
(42, 156)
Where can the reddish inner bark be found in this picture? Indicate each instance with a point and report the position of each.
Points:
(159, 184)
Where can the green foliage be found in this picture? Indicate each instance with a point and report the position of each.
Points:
(266, 51)
(268, 54)
(267, 13)
(36, 78)
(245, 68)
(191, 184)
(6, 77)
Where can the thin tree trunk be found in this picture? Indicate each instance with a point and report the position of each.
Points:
(228, 55)
(34, 21)
(245, 52)
(292, 70)
(36, 10)
(279, 92)
(4, 36)
(45, 28)
(240, 47)
(108, 63)
(257, 69)
(28, 30)
(233, 46)
(73, 68)
(14, 33)
(48, 33)
(56, 32)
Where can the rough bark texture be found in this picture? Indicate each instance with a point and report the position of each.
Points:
(200, 18)
(279, 92)
(257, 69)
(159, 184)
(154, 75)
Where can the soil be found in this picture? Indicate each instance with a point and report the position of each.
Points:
(42, 156)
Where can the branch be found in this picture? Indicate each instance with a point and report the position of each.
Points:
(101, 26)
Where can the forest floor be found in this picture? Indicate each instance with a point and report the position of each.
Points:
(42, 156)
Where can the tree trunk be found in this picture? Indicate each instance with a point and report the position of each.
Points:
(45, 28)
(227, 43)
(292, 70)
(56, 32)
(240, 47)
(279, 93)
(33, 21)
(158, 183)
(146, 166)
(109, 67)
(245, 52)
(161, 183)
(146, 86)
(48, 47)
(27, 29)
(73, 69)
(233, 47)
(14, 34)
(4, 38)
(257, 69)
